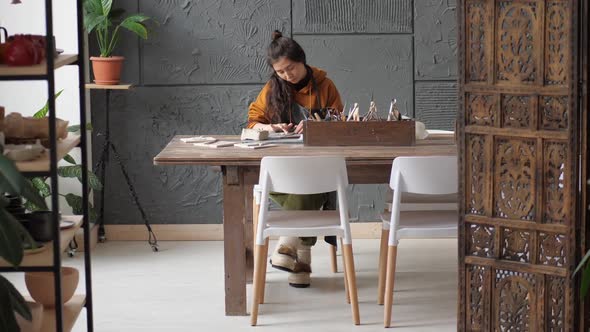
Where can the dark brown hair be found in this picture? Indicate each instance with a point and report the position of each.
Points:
(280, 94)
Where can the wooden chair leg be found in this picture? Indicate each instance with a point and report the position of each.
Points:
(351, 276)
(265, 258)
(333, 259)
(345, 276)
(389, 282)
(382, 265)
(255, 211)
(259, 278)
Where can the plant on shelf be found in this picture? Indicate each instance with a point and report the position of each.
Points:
(70, 171)
(101, 18)
(585, 283)
(13, 238)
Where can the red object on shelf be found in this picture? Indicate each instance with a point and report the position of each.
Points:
(22, 52)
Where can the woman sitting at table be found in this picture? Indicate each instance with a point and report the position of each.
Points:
(294, 92)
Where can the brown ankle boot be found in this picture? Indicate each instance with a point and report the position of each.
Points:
(300, 278)
(284, 256)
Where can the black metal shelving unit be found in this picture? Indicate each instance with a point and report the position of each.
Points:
(46, 72)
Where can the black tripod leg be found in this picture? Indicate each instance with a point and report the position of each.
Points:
(152, 240)
(102, 164)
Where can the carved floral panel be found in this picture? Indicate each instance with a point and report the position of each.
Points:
(552, 249)
(517, 25)
(480, 240)
(514, 300)
(514, 179)
(475, 189)
(557, 27)
(516, 245)
(553, 112)
(478, 33)
(555, 200)
(481, 109)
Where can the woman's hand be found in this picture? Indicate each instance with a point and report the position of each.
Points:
(299, 128)
(285, 127)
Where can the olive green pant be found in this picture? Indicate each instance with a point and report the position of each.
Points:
(304, 202)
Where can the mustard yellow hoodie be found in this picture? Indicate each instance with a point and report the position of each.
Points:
(306, 97)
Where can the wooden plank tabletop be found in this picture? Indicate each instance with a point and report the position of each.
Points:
(180, 153)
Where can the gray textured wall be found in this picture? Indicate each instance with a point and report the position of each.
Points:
(205, 63)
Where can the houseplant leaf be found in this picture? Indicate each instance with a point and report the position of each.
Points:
(106, 7)
(93, 181)
(7, 319)
(582, 262)
(70, 159)
(31, 194)
(92, 213)
(91, 21)
(45, 109)
(11, 181)
(42, 187)
(135, 27)
(11, 244)
(585, 284)
(93, 7)
(74, 171)
(75, 202)
(76, 128)
(16, 299)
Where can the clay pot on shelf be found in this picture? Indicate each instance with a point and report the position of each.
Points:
(35, 324)
(41, 285)
(107, 71)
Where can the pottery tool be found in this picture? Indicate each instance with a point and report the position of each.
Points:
(198, 139)
(259, 145)
(390, 113)
(372, 114)
(218, 144)
(394, 114)
(352, 111)
(355, 112)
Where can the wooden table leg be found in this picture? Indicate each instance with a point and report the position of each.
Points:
(249, 232)
(234, 254)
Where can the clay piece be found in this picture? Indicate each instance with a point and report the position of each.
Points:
(254, 134)
(24, 152)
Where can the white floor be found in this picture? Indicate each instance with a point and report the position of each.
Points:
(181, 288)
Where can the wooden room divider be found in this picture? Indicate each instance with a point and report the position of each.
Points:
(519, 128)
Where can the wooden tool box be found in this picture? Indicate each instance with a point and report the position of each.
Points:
(359, 133)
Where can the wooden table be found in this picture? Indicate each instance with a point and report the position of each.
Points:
(240, 167)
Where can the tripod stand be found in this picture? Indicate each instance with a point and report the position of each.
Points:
(104, 158)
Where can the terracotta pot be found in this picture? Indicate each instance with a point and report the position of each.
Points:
(107, 71)
(35, 324)
(40, 285)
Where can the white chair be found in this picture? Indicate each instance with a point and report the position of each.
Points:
(303, 176)
(257, 193)
(415, 175)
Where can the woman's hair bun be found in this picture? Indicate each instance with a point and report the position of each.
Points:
(276, 35)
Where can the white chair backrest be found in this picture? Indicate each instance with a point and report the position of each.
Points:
(303, 175)
(436, 175)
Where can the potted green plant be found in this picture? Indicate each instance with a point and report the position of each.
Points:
(101, 18)
(74, 170)
(13, 238)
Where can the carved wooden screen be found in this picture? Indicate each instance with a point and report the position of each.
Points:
(518, 152)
